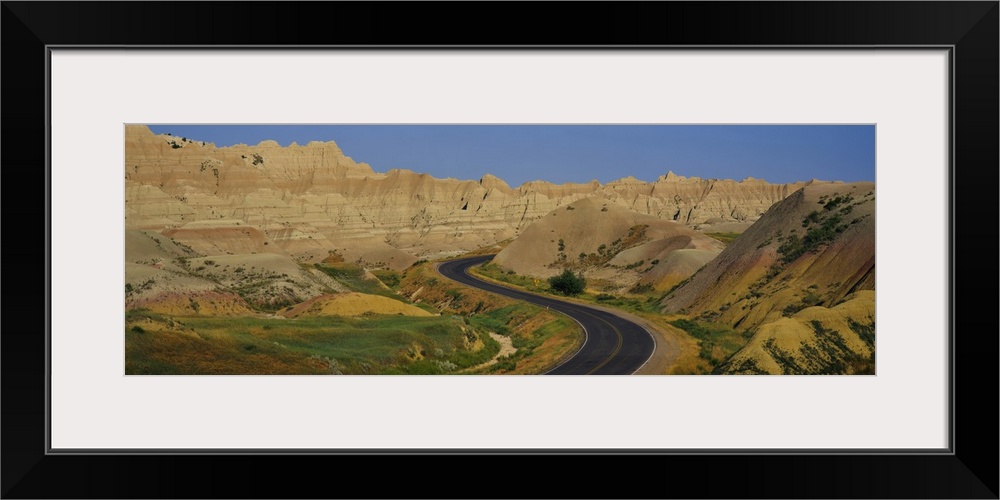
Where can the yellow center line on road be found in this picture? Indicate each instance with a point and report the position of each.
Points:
(617, 347)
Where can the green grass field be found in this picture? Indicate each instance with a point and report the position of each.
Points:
(726, 238)
(455, 340)
(245, 345)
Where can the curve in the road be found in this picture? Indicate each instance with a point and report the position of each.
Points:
(613, 346)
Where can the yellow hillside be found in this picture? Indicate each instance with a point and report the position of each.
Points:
(352, 304)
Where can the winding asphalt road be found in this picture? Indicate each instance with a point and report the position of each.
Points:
(613, 345)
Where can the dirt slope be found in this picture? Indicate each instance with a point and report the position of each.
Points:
(609, 243)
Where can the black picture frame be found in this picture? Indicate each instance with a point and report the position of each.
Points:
(969, 470)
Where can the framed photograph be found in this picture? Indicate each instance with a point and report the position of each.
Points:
(112, 381)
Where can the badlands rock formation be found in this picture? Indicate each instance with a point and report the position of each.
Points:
(304, 201)
(801, 280)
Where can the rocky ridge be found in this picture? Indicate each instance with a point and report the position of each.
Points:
(308, 200)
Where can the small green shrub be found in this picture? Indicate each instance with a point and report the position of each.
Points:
(568, 283)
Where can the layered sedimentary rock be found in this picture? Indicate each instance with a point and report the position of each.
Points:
(800, 281)
(306, 200)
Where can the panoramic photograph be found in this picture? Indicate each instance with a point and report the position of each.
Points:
(499, 249)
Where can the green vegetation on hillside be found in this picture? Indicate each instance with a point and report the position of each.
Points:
(716, 343)
(541, 338)
(607, 251)
(354, 278)
(810, 299)
(388, 277)
(821, 228)
(828, 354)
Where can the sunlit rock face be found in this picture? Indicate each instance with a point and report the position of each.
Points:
(308, 200)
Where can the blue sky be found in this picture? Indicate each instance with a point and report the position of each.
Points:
(579, 153)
